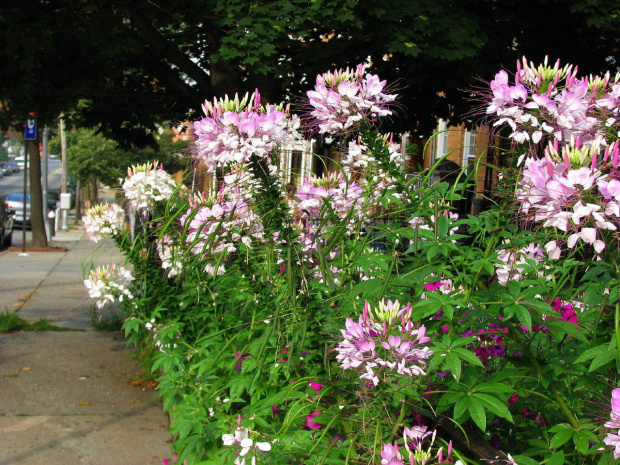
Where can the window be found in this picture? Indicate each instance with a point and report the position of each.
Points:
(469, 147)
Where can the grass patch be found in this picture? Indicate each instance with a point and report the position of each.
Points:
(11, 323)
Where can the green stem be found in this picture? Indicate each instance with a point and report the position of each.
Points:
(399, 422)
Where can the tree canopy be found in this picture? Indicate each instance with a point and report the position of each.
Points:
(139, 62)
(93, 156)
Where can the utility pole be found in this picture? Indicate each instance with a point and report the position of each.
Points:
(63, 177)
(44, 172)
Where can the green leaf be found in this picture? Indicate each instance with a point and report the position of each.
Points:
(602, 359)
(476, 412)
(592, 352)
(495, 405)
(461, 406)
(468, 356)
(424, 308)
(582, 438)
(561, 437)
(524, 460)
(514, 287)
(556, 459)
(524, 317)
(453, 363)
(558, 328)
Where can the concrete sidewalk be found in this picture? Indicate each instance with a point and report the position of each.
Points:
(70, 397)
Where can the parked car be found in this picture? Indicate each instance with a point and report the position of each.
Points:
(21, 162)
(5, 168)
(6, 225)
(14, 167)
(15, 201)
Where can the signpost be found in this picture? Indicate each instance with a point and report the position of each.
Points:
(30, 131)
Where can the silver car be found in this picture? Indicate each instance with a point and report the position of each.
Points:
(15, 201)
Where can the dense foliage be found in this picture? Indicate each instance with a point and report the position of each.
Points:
(137, 63)
(363, 321)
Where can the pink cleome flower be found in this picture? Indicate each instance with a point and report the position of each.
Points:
(343, 99)
(373, 346)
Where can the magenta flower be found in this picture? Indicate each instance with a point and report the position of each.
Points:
(316, 386)
(312, 424)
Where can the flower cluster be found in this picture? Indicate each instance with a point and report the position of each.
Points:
(613, 438)
(514, 262)
(107, 219)
(245, 440)
(359, 159)
(235, 130)
(343, 99)
(147, 184)
(579, 200)
(414, 439)
(109, 284)
(341, 195)
(216, 229)
(376, 345)
(554, 102)
(170, 256)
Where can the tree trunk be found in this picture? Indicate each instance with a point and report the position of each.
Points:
(93, 192)
(37, 215)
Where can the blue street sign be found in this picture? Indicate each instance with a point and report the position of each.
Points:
(30, 132)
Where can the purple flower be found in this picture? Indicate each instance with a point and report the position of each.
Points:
(275, 410)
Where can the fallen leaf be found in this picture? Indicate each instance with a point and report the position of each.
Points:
(85, 403)
(134, 401)
(26, 369)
